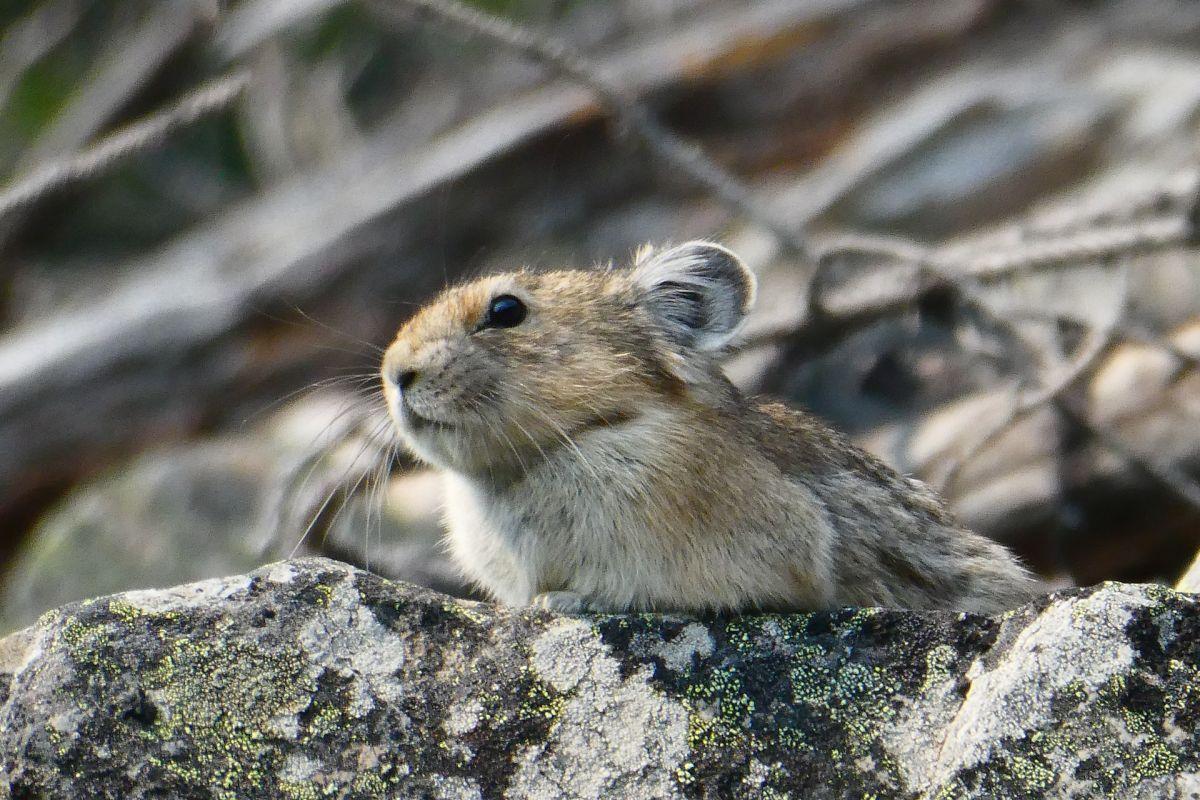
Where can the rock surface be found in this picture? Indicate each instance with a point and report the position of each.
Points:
(310, 679)
(207, 509)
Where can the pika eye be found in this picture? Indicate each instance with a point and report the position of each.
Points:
(505, 311)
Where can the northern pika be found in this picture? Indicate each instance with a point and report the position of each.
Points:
(596, 458)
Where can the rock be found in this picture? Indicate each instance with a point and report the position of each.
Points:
(205, 509)
(168, 517)
(310, 678)
(1190, 582)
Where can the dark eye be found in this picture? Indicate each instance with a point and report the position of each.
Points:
(505, 311)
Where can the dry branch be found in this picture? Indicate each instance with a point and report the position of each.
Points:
(1041, 395)
(1014, 483)
(686, 157)
(902, 272)
(126, 62)
(188, 304)
(1172, 477)
(133, 139)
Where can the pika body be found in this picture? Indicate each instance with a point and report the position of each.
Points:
(596, 458)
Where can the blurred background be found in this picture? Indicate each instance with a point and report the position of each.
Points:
(973, 222)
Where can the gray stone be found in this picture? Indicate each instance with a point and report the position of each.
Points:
(210, 508)
(310, 679)
(168, 517)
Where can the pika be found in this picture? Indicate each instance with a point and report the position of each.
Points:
(596, 458)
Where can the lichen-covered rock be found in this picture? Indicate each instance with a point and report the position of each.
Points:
(310, 679)
(210, 508)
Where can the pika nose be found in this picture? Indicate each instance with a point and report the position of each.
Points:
(405, 378)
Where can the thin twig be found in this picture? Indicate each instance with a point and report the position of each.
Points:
(1170, 476)
(134, 138)
(1096, 243)
(946, 266)
(957, 268)
(1124, 329)
(1179, 482)
(1187, 361)
(684, 156)
(1098, 344)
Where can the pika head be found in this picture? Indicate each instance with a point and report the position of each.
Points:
(494, 373)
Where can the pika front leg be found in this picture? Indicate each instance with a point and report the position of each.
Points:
(561, 602)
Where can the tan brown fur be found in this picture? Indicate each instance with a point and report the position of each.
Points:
(596, 457)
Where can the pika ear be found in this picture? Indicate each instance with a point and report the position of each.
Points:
(700, 292)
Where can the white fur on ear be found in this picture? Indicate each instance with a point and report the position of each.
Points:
(699, 291)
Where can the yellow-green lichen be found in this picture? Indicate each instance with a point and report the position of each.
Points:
(222, 699)
(856, 696)
(718, 712)
(685, 773)
(1155, 760)
(126, 612)
(1186, 680)
(537, 702)
(1032, 773)
(371, 784)
(324, 594)
(60, 743)
(85, 642)
(938, 663)
(326, 721)
(463, 611)
(300, 790)
(540, 701)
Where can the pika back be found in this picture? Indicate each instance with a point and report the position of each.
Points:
(596, 457)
